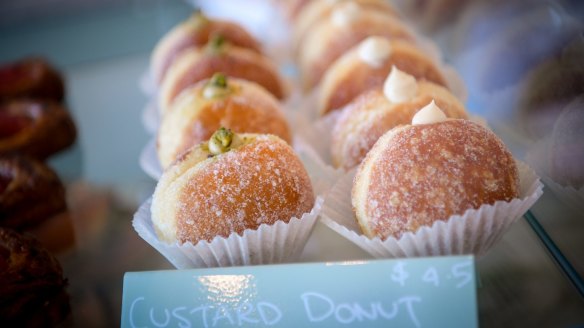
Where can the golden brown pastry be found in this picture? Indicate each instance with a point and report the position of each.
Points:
(32, 287)
(344, 28)
(200, 110)
(366, 66)
(418, 174)
(292, 8)
(35, 127)
(218, 56)
(230, 184)
(196, 31)
(30, 192)
(31, 78)
(375, 112)
(316, 11)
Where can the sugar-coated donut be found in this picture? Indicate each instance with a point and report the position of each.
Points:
(418, 174)
(230, 184)
(373, 113)
(316, 11)
(196, 31)
(195, 64)
(37, 128)
(31, 78)
(366, 66)
(236, 104)
(345, 27)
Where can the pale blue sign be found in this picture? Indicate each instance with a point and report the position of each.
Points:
(421, 292)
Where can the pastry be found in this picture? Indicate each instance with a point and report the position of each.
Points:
(36, 128)
(366, 66)
(293, 8)
(229, 184)
(30, 78)
(418, 174)
(344, 28)
(196, 32)
(377, 111)
(218, 56)
(32, 286)
(30, 192)
(316, 11)
(201, 109)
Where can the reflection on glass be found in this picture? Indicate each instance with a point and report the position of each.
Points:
(229, 289)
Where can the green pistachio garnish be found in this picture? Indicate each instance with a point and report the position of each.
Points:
(217, 87)
(221, 141)
(216, 43)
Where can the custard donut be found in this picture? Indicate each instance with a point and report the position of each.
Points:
(344, 28)
(194, 65)
(31, 78)
(316, 11)
(418, 174)
(196, 31)
(36, 128)
(236, 104)
(366, 66)
(230, 184)
(375, 112)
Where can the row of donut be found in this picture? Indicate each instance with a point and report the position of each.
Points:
(370, 64)
(223, 140)
(419, 158)
(34, 125)
(212, 73)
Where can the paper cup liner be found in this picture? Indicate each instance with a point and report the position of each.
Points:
(151, 116)
(277, 243)
(538, 156)
(146, 83)
(473, 232)
(149, 161)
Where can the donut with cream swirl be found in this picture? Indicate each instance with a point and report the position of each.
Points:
(195, 32)
(229, 184)
(418, 174)
(196, 64)
(366, 66)
(316, 11)
(344, 28)
(240, 105)
(375, 112)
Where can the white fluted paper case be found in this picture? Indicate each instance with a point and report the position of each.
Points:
(277, 243)
(474, 232)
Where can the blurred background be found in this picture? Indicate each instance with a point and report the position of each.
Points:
(523, 66)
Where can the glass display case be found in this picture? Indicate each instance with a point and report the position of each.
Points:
(531, 277)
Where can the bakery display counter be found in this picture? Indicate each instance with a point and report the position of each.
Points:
(103, 56)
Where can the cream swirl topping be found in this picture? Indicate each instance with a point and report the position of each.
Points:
(399, 86)
(345, 14)
(374, 50)
(429, 114)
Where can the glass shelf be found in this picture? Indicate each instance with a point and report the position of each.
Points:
(103, 55)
